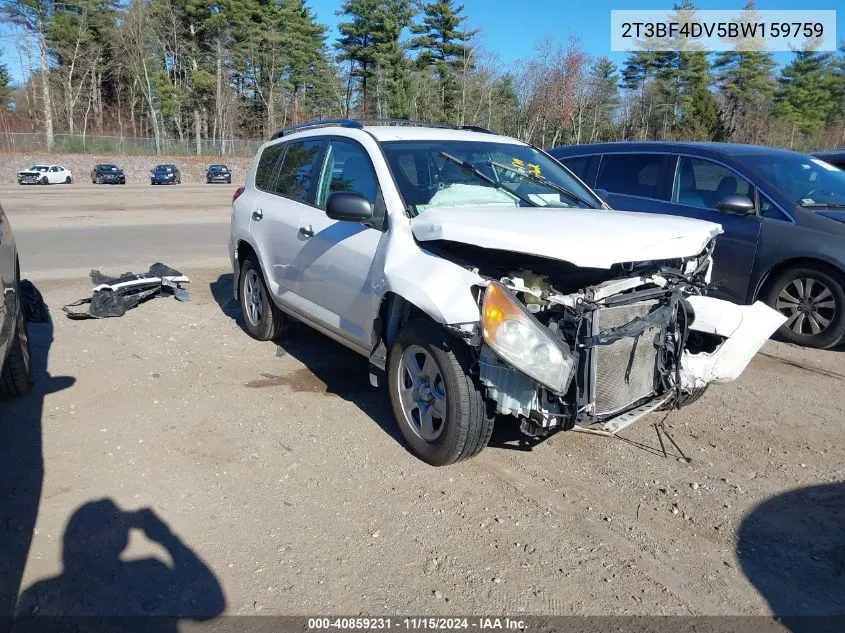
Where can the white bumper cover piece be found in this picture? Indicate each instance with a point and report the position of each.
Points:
(746, 329)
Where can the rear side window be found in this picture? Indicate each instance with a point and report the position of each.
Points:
(267, 165)
(578, 166)
(630, 174)
(298, 169)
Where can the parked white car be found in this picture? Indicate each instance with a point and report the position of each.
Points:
(45, 175)
(480, 277)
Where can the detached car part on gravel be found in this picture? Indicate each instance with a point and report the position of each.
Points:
(480, 277)
(114, 296)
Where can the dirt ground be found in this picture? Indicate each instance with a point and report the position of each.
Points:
(278, 484)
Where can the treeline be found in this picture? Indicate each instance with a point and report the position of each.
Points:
(207, 71)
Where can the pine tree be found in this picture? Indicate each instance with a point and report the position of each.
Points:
(806, 96)
(5, 84)
(369, 40)
(604, 96)
(443, 46)
(745, 81)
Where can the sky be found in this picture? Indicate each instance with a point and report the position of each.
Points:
(513, 28)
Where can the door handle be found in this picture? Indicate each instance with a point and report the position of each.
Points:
(257, 214)
(307, 231)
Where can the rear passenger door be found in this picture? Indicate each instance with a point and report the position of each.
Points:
(335, 259)
(698, 185)
(635, 182)
(284, 185)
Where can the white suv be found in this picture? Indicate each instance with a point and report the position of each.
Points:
(481, 277)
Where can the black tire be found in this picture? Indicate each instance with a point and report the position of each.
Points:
(468, 423)
(69, 180)
(270, 321)
(834, 333)
(44, 181)
(15, 377)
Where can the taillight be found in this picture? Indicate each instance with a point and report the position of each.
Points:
(238, 193)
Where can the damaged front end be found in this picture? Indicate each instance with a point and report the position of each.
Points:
(595, 350)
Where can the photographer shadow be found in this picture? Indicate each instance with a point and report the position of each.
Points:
(103, 592)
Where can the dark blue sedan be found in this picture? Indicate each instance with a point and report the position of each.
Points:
(783, 214)
(165, 175)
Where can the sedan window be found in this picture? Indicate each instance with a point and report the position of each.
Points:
(630, 174)
(703, 183)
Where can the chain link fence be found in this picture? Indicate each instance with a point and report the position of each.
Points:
(36, 143)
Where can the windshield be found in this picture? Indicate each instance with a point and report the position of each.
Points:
(108, 168)
(806, 181)
(166, 168)
(222, 168)
(39, 168)
(433, 174)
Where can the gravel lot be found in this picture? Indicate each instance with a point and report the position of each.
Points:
(287, 490)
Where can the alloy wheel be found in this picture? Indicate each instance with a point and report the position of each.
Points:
(253, 297)
(808, 304)
(422, 393)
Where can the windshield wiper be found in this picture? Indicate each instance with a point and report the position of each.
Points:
(480, 174)
(824, 205)
(543, 181)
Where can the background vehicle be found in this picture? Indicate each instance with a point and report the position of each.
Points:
(165, 175)
(45, 175)
(480, 277)
(218, 173)
(14, 339)
(783, 215)
(108, 174)
(834, 157)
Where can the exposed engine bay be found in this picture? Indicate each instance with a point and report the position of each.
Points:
(621, 335)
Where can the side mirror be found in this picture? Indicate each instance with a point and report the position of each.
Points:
(736, 204)
(348, 206)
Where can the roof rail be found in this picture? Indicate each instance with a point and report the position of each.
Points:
(315, 124)
(360, 123)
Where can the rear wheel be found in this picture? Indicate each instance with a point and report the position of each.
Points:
(439, 408)
(812, 298)
(15, 377)
(69, 180)
(262, 319)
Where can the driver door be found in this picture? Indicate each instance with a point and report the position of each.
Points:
(699, 184)
(335, 260)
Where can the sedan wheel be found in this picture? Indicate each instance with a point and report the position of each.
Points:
(813, 301)
(422, 393)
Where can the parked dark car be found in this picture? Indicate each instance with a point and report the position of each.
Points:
(14, 339)
(107, 174)
(783, 214)
(165, 175)
(834, 157)
(218, 173)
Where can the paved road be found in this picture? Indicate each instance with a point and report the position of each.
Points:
(65, 232)
(73, 252)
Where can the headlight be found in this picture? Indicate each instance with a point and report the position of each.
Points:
(517, 337)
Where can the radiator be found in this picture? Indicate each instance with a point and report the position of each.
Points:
(613, 393)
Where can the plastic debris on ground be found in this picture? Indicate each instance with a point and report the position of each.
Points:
(114, 296)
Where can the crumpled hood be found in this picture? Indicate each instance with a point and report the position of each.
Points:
(30, 172)
(585, 237)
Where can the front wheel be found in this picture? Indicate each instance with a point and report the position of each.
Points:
(812, 298)
(44, 181)
(15, 376)
(439, 408)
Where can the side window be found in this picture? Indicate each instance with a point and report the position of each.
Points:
(578, 166)
(630, 174)
(297, 170)
(769, 210)
(266, 166)
(54, 169)
(347, 167)
(703, 183)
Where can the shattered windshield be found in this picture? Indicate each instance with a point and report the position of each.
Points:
(434, 174)
(806, 181)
